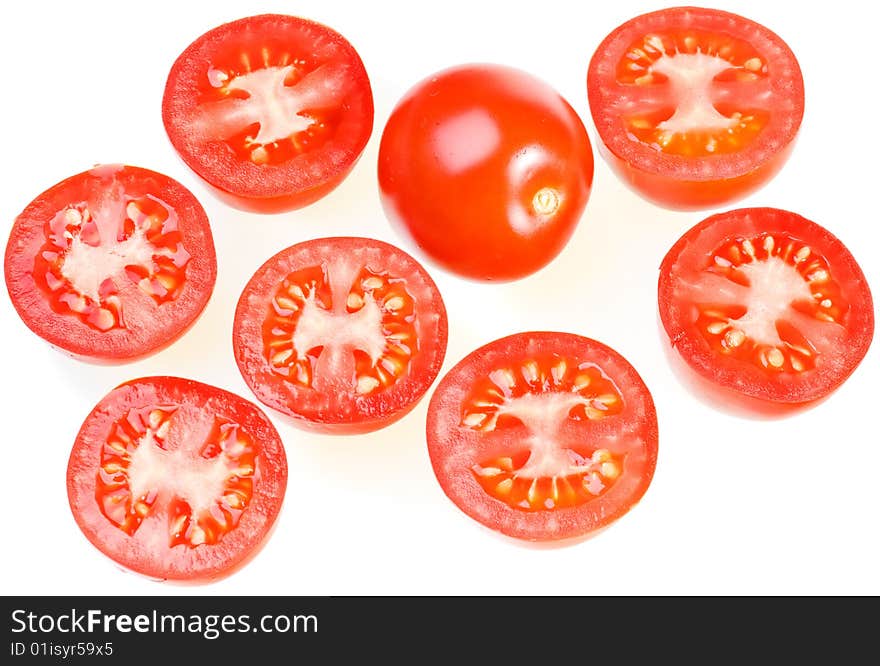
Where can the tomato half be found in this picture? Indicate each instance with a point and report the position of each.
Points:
(111, 264)
(543, 435)
(344, 335)
(175, 479)
(272, 111)
(487, 169)
(766, 303)
(695, 107)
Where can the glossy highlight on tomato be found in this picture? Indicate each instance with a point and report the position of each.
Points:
(272, 111)
(487, 169)
(543, 435)
(175, 479)
(695, 107)
(111, 264)
(766, 303)
(344, 335)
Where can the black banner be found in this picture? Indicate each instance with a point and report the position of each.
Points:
(411, 630)
(109, 629)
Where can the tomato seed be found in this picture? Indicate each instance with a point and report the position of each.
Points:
(581, 382)
(610, 470)
(734, 338)
(775, 358)
(473, 419)
(286, 304)
(281, 357)
(372, 282)
(366, 384)
(601, 455)
(802, 254)
(394, 303)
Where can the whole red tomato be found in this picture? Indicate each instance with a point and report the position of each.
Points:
(487, 169)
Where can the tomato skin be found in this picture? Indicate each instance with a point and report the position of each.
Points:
(170, 320)
(463, 160)
(336, 409)
(696, 183)
(311, 173)
(695, 195)
(281, 204)
(453, 450)
(722, 398)
(205, 563)
(677, 313)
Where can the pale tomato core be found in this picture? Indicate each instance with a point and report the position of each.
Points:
(341, 323)
(681, 111)
(767, 298)
(540, 395)
(270, 107)
(94, 248)
(199, 494)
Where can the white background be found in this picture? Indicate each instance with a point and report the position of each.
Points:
(738, 505)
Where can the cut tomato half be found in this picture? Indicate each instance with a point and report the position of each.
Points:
(766, 303)
(543, 435)
(695, 107)
(342, 334)
(272, 111)
(111, 264)
(175, 479)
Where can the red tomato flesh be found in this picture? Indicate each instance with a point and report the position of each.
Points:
(175, 479)
(543, 436)
(344, 335)
(111, 264)
(766, 303)
(695, 107)
(272, 111)
(487, 169)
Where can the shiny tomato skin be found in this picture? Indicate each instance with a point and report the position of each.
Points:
(831, 317)
(191, 407)
(695, 195)
(281, 204)
(487, 169)
(528, 401)
(673, 179)
(313, 294)
(295, 168)
(146, 326)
